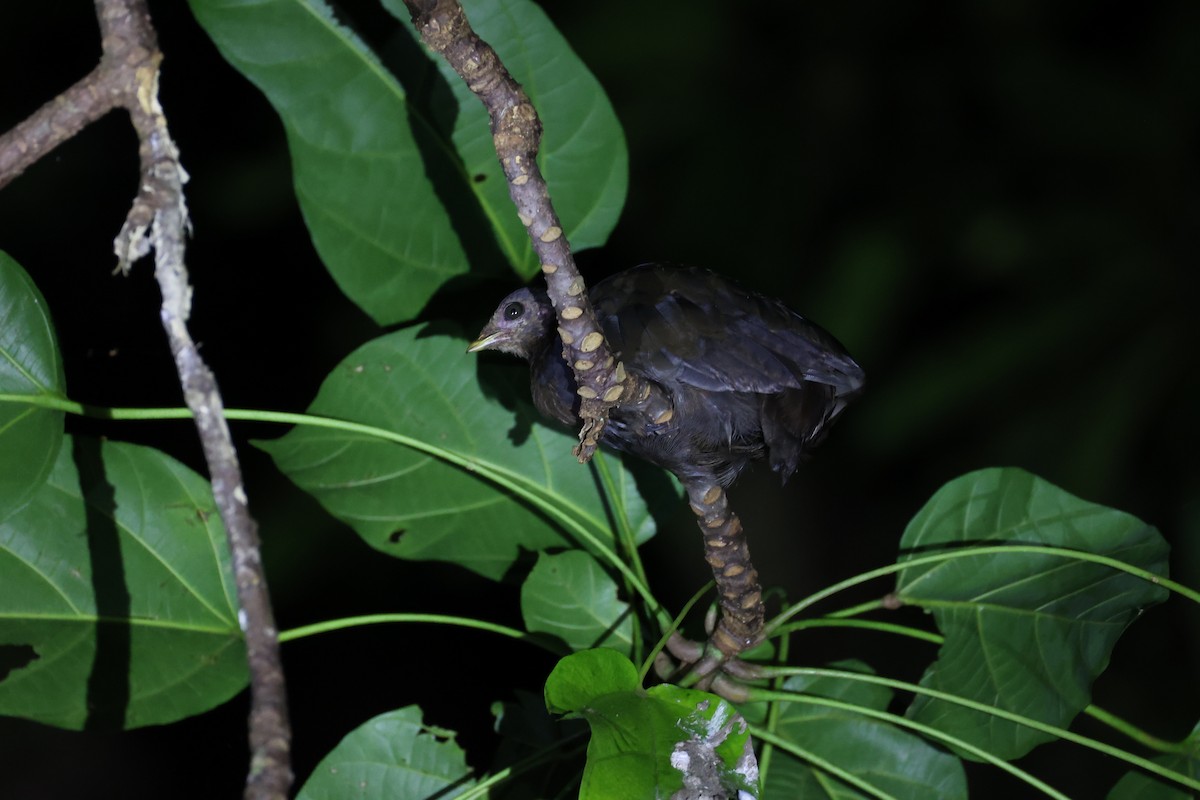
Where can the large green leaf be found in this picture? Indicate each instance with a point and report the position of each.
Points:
(429, 500)
(118, 599)
(393, 209)
(392, 756)
(582, 156)
(1024, 632)
(651, 743)
(30, 365)
(890, 759)
(570, 596)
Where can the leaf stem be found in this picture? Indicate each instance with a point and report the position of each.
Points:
(774, 713)
(1125, 727)
(518, 484)
(345, 623)
(924, 730)
(1038, 725)
(1138, 735)
(670, 631)
(625, 536)
(481, 788)
(881, 627)
(773, 739)
(970, 552)
(861, 608)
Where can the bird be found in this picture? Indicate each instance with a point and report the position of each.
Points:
(737, 376)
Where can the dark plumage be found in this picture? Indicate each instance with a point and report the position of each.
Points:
(747, 376)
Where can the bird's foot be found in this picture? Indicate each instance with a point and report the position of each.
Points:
(707, 666)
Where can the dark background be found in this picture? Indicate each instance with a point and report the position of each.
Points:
(993, 205)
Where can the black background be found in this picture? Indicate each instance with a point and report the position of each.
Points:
(993, 205)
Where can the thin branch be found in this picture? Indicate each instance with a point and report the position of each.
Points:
(516, 134)
(128, 77)
(56, 122)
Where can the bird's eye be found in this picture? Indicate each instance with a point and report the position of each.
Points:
(513, 310)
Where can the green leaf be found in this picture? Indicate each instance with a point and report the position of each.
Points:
(428, 500)
(118, 593)
(1025, 632)
(30, 364)
(651, 743)
(582, 156)
(393, 755)
(393, 209)
(1143, 786)
(581, 679)
(570, 596)
(895, 762)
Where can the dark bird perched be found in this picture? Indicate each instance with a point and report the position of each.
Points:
(737, 376)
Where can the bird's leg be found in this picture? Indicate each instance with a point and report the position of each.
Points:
(726, 551)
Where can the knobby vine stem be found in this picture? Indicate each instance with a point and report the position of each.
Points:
(516, 133)
(127, 77)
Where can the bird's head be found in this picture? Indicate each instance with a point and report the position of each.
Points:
(520, 325)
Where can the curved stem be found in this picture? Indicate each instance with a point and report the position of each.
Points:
(773, 739)
(518, 484)
(924, 730)
(671, 629)
(1138, 735)
(346, 623)
(970, 552)
(774, 714)
(1053, 730)
(625, 536)
(864, 624)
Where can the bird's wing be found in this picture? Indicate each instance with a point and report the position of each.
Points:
(695, 327)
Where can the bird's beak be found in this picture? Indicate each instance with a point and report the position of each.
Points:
(485, 341)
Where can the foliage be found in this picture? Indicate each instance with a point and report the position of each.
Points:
(1029, 632)
(118, 612)
(649, 743)
(392, 755)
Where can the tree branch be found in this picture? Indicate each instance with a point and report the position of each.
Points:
(516, 134)
(55, 123)
(128, 77)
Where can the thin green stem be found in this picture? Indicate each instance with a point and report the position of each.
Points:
(1148, 740)
(858, 610)
(882, 627)
(518, 484)
(974, 552)
(1138, 735)
(621, 515)
(625, 536)
(924, 730)
(345, 623)
(674, 626)
(526, 764)
(775, 740)
(774, 712)
(1053, 730)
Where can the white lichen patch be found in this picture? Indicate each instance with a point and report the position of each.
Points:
(705, 775)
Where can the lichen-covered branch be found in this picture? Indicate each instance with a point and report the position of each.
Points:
(127, 77)
(516, 133)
